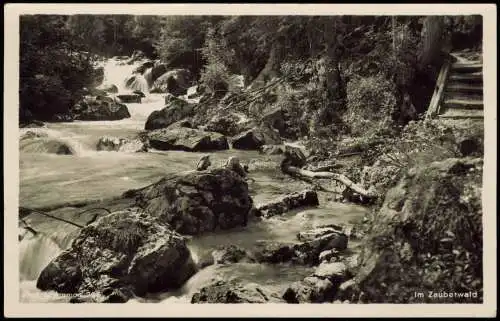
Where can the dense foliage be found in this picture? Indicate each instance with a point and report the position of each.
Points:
(54, 67)
(335, 49)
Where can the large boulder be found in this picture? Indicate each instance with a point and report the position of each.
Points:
(176, 109)
(175, 81)
(191, 60)
(255, 138)
(187, 139)
(124, 250)
(99, 108)
(230, 292)
(198, 201)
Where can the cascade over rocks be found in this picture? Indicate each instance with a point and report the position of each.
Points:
(128, 250)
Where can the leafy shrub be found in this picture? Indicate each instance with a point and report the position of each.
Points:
(215, 76)
(53, 68)
(371, 103)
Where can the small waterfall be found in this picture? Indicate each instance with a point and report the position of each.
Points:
(123, 76)
(148, 75)
(36, 251)
(45, 140)
(137, 82)
(115, 73)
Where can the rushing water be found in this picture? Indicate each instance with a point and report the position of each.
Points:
(47, 179)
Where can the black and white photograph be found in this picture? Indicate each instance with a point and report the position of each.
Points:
(318, 158)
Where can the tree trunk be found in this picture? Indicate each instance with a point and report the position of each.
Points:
(271, 69)
(295, 171)
(432, 36)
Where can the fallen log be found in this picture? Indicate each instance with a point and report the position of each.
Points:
(301, 173)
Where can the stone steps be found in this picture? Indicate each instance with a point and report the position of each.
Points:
(461, 95)
(466, 67)
(472, 77)
(457, 113)
(463, 104)
(464, 88)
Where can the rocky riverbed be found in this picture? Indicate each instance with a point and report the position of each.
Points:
(141, 204)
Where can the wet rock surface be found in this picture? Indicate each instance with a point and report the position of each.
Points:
(100, 108)
(255, 138)
(288, 202)
(187, 139)
(198, 201)
(110, 143)
(231, 292)
(124, 250)
(175, 110)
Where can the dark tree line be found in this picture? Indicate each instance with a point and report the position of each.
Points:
(57, 52)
